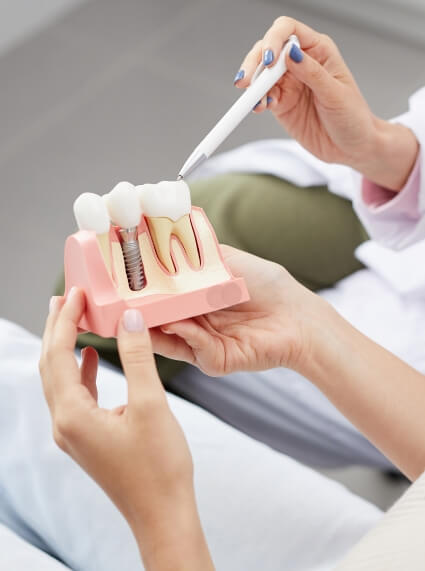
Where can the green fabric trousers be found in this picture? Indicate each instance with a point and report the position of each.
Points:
(310, 231)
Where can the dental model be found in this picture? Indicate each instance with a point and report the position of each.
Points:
(167, 207)
(124, 210)
(183, 273)
(91, 214)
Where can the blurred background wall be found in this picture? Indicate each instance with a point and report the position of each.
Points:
(22, 18)
(97, 91)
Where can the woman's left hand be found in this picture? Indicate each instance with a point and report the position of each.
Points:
(137, 452)
(276, 327)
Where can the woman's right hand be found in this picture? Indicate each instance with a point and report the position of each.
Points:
(320, 105)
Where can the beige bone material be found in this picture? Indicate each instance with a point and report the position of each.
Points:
(105, 248)
(162, 228)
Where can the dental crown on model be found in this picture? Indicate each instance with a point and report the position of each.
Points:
(166, 207)
(124, 209)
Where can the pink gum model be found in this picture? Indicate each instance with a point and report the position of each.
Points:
(85, 268)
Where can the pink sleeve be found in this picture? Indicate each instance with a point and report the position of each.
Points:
(379, 202)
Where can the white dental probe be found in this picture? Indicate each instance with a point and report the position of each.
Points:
(262, 81)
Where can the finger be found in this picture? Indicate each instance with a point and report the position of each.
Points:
(194, 334)
(273, 97)
(249, 65)
(89, 365)
(261, 105)
(54, 309)
(171, 346)
(60, 356)
(135, 350)
(66, 325)
(279, 33)
(55, 305)
(310, 72)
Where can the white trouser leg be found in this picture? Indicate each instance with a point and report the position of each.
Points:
(260, 509)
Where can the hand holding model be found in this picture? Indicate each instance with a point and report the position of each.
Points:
(268, 331)
(320, 105)
(283, 324)
(137, 453)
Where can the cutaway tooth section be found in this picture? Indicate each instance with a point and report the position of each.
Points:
(167, 207)
(184, 232)
(160, 231)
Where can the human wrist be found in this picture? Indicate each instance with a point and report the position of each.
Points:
(321, 331)
(390, 155)
(170, 536)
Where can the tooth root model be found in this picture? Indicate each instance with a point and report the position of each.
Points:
(91, 214)
(124, 209)
(167, 207)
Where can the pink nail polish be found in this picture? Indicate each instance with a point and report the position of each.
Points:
(133, 321)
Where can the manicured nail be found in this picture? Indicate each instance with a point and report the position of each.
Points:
(133, 321)
(296, 54)
(240, 75)
(268, 57)
(52, 303)
(72, 293)
(269, 99)
(256, 105)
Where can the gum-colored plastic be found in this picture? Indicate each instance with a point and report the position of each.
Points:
(85, 268)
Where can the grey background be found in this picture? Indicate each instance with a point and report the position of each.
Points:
(94, 92)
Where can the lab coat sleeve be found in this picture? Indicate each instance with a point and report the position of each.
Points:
(398, 220)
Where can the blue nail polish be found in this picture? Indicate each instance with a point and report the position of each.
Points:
(268, 57)
(240, 75)
(296, 54)
(256, 105)
(269, 99)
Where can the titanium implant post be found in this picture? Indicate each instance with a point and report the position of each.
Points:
(132, 259)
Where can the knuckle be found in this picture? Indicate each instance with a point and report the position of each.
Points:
(327, 40)
(59, 439)
(284, 21)
(316, 73)
(66, 427)
(137, 354)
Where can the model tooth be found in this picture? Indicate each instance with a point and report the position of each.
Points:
(167, 207)
(170, 199)
(123, 205)
(91, 214)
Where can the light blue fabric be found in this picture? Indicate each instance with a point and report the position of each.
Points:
(260, 509)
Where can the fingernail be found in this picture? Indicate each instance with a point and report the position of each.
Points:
(71, 293)
(240, 75)
(296, 54)
(256, 105)
(268, 57)
(52, 303)
(133, 321)
(269, 99)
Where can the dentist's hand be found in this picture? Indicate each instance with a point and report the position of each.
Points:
(137, 452)
(320, 105)
(275, 328)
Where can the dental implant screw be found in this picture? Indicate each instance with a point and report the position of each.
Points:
(132, 259)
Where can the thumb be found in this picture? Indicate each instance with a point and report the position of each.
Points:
(135, 350)
(310, 72)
